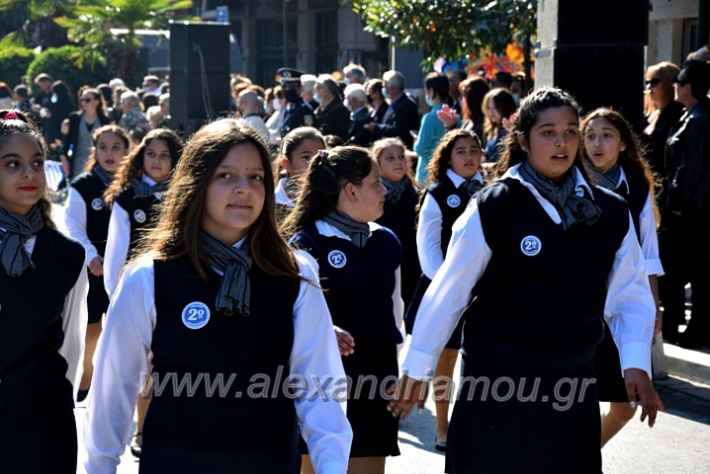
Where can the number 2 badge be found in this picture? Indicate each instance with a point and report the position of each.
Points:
(195, 315)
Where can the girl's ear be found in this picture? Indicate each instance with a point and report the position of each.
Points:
(521, 141)
(285, 164)
(622, 146)
(350, 193)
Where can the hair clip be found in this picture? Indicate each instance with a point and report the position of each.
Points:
(10, 116)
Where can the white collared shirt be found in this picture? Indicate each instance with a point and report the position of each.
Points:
(122, 366)
(429, 228)
(629, 308)
(280, 194)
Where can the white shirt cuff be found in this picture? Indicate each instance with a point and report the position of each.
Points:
(420, 365)
(654, 267)
(636, 355)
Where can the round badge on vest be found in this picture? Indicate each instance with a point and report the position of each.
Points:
(97, 204)
(139, 216)
(530, 245)
(337, 259)
(195, 315)
(453, 201)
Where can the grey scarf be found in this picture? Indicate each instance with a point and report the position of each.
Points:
(143, 189)
(394, 190)
(357, 231)
(472, 186)
(14, 232)
(607, 180)
(235, 289)
(572, 208)
(292, 188)
(103, 175)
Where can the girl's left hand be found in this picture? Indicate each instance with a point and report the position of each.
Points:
(638, 385)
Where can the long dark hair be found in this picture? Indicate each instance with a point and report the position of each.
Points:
(292, 140)
(100, 107)
(504, 103)
(632, 158)
(439, 164)
(178, 230)
(132, 166)
(530, 108)
(473, 90)
(24, 126)
(327, 173)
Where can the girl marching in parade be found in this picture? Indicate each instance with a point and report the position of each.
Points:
(134, 195)
(201, 299)
(615, 161)
(359, 265)
(86, 218)
(535, 262)
(298, 147)
(400, 211)
(454, 177)
(43, 288)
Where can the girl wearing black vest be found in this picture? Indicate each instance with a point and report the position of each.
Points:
(534, 263)
(43, 287)
(86, 218)
(400, 211)
(454, 176)
(359, 266)
(134, 196)
(615, 162)
(298, 147)
(201, 299)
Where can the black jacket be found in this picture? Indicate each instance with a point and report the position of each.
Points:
(401, 118)
(73, 135)
(333, 119)
(686, 159)
(357, 134)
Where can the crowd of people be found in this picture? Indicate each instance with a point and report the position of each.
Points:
(309, 234)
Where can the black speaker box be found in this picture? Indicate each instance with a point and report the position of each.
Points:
(199, 74)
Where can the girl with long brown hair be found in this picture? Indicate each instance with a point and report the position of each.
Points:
(43, 287)
(201, 296)
(86, 217)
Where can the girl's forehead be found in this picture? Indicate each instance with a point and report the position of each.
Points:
(20, 140)
(563, 115)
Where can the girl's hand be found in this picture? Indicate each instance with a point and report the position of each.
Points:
(96, 266)
(447, 116)
(658, 327)
(405, 394)
(65, 165)
(346, 343)
(507, 123)
(638, 385)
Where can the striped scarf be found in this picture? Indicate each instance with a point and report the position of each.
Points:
(15, 230)
(606, 180)
(394, 190)
(357, 231)
(143, 189)
(103, 175)
(234, 263)
(572, 208)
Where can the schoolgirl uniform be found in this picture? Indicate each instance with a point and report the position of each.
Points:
(400, 216)
(442, 204)
(533, 295)
(87, 217)
(610, 384)
(234, 412)
(362, 288)
(132, 214)
(42, 327)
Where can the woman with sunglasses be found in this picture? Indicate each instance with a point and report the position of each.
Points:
(82, 124)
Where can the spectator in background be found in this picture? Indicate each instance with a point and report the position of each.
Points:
(331, 115)
(502, 79)
(154, 116)
(82, 125)
(354, 74)
(376, 99)
(107, 94)
(249, 106)
(5, 96)
(132, 117)
(149, 101)
(60, 106)
(41, 100)
(151, 85)
(436, 87)
(498, 106)
(687, 197)
(356, 100)
(275, 103)
(472, 92)
(22, 99)
(308, 84)
(455, 78)
(517, 88)
(402, 116)
(114, 84)
(117, 110)
(164, 103)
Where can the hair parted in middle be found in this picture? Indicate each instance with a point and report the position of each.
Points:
(112, 129)
(178, 231)
(440, 159)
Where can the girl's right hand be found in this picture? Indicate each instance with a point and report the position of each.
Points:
(346, 343)
(447, 116)
(96, 266)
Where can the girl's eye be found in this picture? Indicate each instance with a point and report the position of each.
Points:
(39, 163)
(224, 175)
(12, 164)
(257, 177)
(572, 132)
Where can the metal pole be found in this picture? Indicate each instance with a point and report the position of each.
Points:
(703, 19)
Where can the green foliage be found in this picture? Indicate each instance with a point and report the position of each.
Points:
(449, 28)
(70, 64)
(13, 63)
